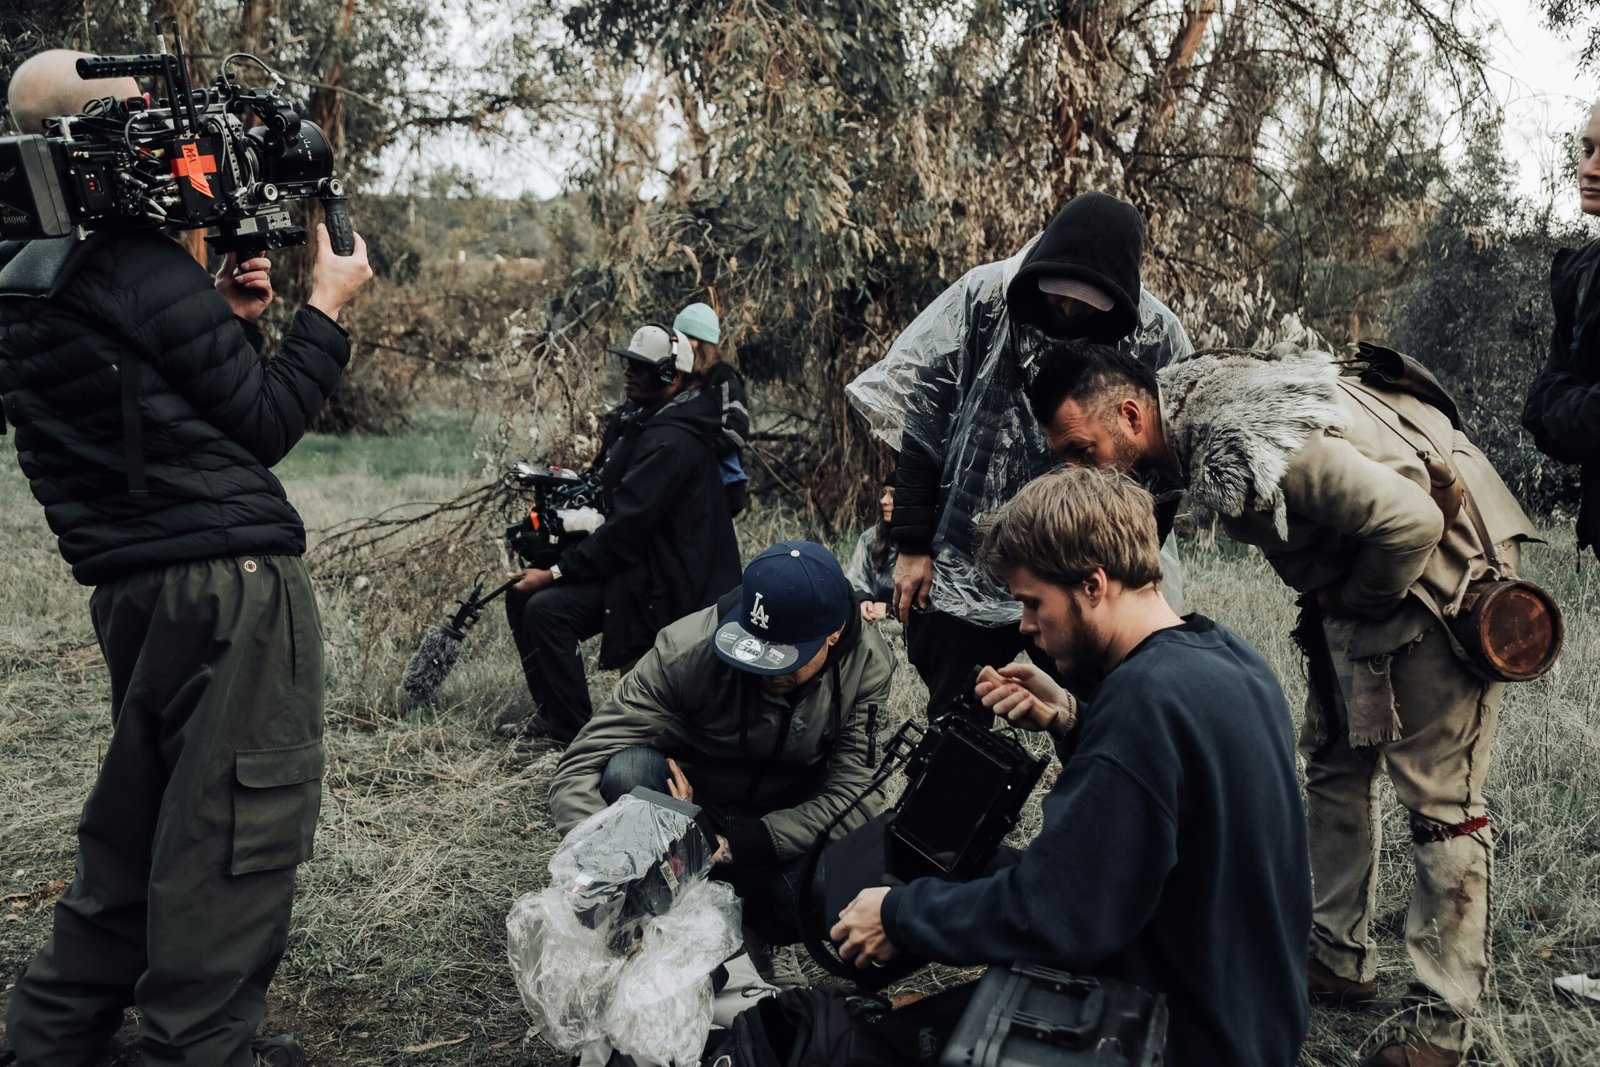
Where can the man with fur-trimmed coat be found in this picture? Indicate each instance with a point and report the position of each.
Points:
(1345, 486)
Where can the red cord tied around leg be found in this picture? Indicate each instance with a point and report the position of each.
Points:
(1426, 831)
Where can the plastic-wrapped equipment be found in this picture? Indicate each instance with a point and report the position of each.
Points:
(662, 1007)
(629, 862)
(619, 949)
(952, 384)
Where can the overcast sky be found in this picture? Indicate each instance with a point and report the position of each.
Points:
(1536, 78)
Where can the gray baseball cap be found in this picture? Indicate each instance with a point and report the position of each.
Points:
(654, 343)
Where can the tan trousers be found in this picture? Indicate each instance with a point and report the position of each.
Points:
(1438, 768)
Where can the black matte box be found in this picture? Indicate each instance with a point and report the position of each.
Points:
(32, 203)
(1027, 1015)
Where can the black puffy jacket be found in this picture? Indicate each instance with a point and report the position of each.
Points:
(667, 547)
(1563, 408)
(211, 417)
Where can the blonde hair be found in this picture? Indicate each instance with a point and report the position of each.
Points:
(1065, 524)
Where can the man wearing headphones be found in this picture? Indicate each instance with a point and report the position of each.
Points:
(666, 548)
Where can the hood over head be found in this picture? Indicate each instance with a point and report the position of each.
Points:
(1094, 240)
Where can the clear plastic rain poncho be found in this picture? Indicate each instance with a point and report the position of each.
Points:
(618, 951)
(953, 383)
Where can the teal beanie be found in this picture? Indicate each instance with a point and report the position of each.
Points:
(698, 320)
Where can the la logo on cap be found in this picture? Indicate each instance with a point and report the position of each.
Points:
(758, 614)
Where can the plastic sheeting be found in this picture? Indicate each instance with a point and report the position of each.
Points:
(953, 383)
(618, 950)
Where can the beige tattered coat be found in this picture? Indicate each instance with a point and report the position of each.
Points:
(1331, 480)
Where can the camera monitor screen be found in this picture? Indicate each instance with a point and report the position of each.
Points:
(943, 811)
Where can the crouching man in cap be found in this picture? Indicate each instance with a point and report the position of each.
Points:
(1173, 851)
(666, 548)
(763, 711)
(1353, 489)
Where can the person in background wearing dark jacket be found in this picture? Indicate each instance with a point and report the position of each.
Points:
(1173, 850)
(722, 386)
(763, 710)
(665, 549)
(949, 398)
(1563, 408)
(146, 422)
(871, 569)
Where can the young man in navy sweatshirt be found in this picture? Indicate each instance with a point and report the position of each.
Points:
(1173, 850)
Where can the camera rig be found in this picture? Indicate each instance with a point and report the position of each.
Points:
(223, 157)
(566, 507)
(965, 788)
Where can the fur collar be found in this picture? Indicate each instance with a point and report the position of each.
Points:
(1233, 418)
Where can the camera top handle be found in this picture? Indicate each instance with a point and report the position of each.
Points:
(170, 67)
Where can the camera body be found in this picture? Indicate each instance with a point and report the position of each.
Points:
(222, 157)
(566, 507)
(965, 788)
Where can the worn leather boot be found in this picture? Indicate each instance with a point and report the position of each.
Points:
(1414, 1052)
(1327, 987)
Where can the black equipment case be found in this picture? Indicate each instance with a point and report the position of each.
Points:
(1027, 1015)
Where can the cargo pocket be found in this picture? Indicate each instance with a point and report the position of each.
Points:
(277, 794)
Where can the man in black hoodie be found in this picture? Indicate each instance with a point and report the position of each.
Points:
(950, 398)
(665, 549)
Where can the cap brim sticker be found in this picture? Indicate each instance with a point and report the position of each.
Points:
(748, 652)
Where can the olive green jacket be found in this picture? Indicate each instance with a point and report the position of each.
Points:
(772, 771)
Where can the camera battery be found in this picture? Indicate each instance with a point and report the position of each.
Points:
(1028, 1015)
(32, 203)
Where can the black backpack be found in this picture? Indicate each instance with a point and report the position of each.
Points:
(829, 1028)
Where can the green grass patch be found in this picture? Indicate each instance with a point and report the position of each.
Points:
(439, 443)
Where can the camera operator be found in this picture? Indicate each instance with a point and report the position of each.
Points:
(761, 710)
(1173, 849)
(146, 422)
(666, 548)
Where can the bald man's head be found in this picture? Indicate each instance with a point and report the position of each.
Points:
(47, 85)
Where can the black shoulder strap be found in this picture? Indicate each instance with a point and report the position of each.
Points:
(39, 268)
(132, 428)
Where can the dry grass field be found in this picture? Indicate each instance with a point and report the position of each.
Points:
(432, 825)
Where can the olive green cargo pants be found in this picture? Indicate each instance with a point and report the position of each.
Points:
(205, 802)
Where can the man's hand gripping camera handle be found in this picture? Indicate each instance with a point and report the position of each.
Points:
(336, 210)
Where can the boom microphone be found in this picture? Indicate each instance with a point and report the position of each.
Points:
(441, 647)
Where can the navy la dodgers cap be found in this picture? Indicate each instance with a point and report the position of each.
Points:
(795, 596)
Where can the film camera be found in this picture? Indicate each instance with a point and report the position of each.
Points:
(566, 509)
(222, 157)
(564, 512)
(965, 788)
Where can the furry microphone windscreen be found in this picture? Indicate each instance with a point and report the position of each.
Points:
(438, 652)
